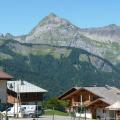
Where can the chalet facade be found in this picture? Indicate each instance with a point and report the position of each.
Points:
(93, 99)
(4, 77)
(23, 92)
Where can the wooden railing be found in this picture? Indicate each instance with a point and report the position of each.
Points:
(77, 104)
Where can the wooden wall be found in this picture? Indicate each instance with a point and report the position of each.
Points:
(24, 97)
(87, 97)
(94, 106)
(3, 91)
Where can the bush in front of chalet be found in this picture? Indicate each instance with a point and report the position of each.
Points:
(55, 103)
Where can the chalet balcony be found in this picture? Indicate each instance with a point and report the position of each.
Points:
(77, 104)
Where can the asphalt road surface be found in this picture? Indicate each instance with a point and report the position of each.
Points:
(45, 118)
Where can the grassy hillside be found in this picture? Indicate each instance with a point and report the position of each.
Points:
(56, 68)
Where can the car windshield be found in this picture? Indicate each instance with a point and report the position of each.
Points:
(38, 108)
(8, 109)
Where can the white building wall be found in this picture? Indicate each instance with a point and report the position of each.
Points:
(107, 114)
(100, 113)
(3, 91)
(110, 115)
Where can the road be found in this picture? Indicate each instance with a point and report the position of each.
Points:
(45, 118)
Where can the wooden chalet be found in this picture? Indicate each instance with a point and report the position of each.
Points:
(23, 92)
(93, 99)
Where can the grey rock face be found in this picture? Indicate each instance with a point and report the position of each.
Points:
(26, 50)
(110, 33)
(6, 36)
(9, 36)
(1, 36)
(56, 31)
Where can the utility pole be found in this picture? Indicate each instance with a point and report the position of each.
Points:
(14, 98)
(37, 109)
(85, 113)
(18, 97)
(6, 117)
(53, 114)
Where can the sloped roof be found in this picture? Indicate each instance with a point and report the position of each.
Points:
(5, 76)
(96, 101)
(24, 87)
(108, 94)
(69, 91)
(115, 106)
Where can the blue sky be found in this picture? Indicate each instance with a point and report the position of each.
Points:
(20, 16)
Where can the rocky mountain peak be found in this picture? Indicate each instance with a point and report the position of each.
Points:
(50, 28)
(1, 35)
(52, 19)
(52, 15)
(55, 31)
(112, 26)
(9, 36)
(6, 36)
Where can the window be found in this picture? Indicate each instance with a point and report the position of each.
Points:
(8, 109)
(118, 112)
(25, 95)
(81, 110)
(104, 111)
(37, 94)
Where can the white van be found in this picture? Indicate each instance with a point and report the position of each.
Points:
(14, 111)
(32, 110)
(24, 111)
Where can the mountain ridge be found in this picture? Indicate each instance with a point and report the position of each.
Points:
(56, 31)
(58, 52)
(45, 65)
(53, 16)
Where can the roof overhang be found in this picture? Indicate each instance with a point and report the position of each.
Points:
(26, 87)
(77, 91)
(68, 92)
(5, 76)
(96, 101)
(115, 106)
